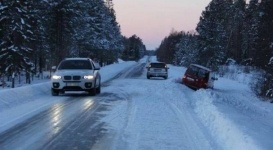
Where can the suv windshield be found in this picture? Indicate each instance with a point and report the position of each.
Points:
(158, 65)
(75, 64)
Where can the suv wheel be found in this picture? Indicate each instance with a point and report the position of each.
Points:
(98, 90)
(93, 91)
(54, 92)
(148, 77)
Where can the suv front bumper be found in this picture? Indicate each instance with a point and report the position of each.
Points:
(83, 85)
(157, 74)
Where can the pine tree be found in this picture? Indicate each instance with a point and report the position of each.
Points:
(59, 29)
(265, 46)
(265, 32)
(3, 28)
(236, 36)
(40, 46)
(167, 48)
(17, 34)
(186, 50)
(134, 48)
(250, 32)
(100, 33)
(213, 33)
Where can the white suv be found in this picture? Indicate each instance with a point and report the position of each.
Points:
(76, 74)
(157, 69)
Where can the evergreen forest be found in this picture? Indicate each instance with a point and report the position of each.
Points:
(36, 35)
(228, 31)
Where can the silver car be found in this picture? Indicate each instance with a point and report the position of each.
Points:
(157, 69)
(76, 74)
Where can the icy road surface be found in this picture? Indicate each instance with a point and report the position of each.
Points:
(134, 113)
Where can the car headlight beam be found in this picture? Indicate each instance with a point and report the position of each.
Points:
(88, 77)
(56, 77)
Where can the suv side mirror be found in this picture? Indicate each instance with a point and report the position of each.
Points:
(53, 68)
(97, 66)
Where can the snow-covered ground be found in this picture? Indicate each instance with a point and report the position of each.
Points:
(227, 117)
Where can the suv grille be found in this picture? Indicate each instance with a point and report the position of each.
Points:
(67, 77)
(76, 77)
(72, 77)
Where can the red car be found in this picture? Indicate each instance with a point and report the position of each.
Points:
(197, 76)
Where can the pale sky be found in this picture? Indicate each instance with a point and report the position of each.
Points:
(153, 20)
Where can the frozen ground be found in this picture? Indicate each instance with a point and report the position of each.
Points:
(228, 117)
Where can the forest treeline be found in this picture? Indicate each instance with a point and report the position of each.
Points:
(36, 35)
(227, 30)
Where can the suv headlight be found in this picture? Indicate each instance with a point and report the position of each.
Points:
(56, 77)
(88, 77)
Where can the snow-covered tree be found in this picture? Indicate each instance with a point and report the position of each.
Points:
(263, 57)
(59, 29)
(265, 34)
(250, 32)
(134, 48)
(44, 32)
(167, 48)
(16, 35)
(186, 50)
(213, 32)
(97, 32)
(236, 29)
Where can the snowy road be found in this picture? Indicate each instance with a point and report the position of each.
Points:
(73, 122)
(135, 113)
(46, 126)
(147, 118)
(154, 114)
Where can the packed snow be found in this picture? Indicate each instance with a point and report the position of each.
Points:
(230, 116)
